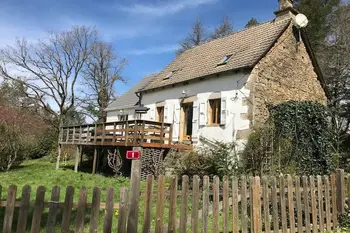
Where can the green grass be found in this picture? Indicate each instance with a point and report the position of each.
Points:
(36, 173)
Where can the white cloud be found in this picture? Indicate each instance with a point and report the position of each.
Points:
(171, 7)
(154, 50)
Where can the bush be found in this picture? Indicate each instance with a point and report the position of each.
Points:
(44, 144)
(296, 139)
(219, 160)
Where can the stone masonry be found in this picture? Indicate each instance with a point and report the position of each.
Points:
(285, 73)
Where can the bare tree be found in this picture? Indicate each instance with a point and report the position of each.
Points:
(50, 68)
(224, 29)
(197, 36)
(101, 72)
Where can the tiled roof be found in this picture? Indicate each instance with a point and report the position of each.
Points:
(129, 98)
(246, 46)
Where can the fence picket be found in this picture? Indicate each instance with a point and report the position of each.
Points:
(266, 206)
(244, 204)
(216, 198)
(225, 203)
(334, 201)
(172, 206)
(53, 209)
(291, 203)
(10, 208)
(95, 210)
(299, 206)
(195, 204)
(123, 210)
(205, 210)
(148, 205)
(256, 205)
(306, 204)
(23, 210)
(160, 204)
(328, 203)
(320, 203)
(67, 209)
(107, 226)
(274, 205)
(313, 204)
(235, 226)
(81, 210)
(38, 209)
(283, 205)
(184, 204)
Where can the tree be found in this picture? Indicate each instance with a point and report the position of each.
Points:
(335, 61)
(317, 12)
(51, 68)
(251, 23)
(197, 36)
(103, 69)
(224, 29)
(20, 127)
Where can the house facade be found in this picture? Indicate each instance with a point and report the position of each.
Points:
(220, 90)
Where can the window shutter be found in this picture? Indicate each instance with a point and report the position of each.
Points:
(152, 113)
(176, 124)
(202, 114)
(195, 122)
(223, 111)
(166, 114)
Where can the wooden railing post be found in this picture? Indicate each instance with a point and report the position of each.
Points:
(103, 133)
(80, 133)
(126, 133)
(340, 183)
(95, 134)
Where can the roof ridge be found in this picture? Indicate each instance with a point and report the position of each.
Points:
(235, 33)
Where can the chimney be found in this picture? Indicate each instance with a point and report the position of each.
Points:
(286, 10)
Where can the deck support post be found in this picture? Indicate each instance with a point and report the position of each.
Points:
(94, 162)
(77, 159)
(58, 157)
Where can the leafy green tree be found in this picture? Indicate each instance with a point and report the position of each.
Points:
(318, 12)
(252, 22)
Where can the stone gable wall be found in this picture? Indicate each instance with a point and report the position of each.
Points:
(285, 73)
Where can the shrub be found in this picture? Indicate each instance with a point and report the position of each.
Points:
(296, 139)
(219, 160)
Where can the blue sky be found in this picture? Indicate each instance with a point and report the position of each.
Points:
(145, 32)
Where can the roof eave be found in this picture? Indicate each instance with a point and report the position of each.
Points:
(315, 63)
(167, 85)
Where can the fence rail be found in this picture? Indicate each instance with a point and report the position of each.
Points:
(245, 204)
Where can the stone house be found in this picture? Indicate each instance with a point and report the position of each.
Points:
(220, 89)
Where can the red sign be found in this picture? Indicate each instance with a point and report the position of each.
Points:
(133, 154)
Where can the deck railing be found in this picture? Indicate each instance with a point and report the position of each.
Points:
(121, 133)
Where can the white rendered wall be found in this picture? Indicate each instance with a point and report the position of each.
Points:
(232, 89)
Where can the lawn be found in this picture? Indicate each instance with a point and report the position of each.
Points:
(36, 173)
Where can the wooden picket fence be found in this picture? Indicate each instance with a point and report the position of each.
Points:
(246, 204)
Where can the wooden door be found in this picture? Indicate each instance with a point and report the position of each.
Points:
(186, 121)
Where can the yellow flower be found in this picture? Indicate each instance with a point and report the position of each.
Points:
(116, 213)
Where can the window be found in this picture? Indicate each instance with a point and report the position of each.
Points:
(123, 117)
(225, 60)
(214, 111)
(160, 114)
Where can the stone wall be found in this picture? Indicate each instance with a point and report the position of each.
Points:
(285, 73)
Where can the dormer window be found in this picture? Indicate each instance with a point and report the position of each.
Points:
(225, 60)
(169, 75)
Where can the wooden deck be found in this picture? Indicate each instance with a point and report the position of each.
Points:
(122, 133)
